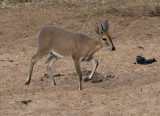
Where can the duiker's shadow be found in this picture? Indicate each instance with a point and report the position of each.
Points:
(97, 77)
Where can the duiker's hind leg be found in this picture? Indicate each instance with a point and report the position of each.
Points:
(49, 64)
(95, 64)
(34, 60)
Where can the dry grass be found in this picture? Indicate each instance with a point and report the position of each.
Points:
(96, 8)
(103, 7)
(3, 4)
(152, 7)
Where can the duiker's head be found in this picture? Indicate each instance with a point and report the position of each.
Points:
(104, 36)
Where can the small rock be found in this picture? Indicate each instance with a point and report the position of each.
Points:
(140, 47)
(96, 80)
(110, 76)
(26, 101)
(46, 75)
(41, 79)
(10, 61)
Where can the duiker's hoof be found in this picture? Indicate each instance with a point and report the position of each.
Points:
(86, 79)
(53, 84)
(27, 83)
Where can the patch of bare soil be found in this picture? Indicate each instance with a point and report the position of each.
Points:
(119, 87)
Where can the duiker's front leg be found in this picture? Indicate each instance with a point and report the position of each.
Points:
(78, 70)
(95, 64)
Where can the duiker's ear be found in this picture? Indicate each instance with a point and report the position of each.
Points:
(97, 29)
(106, 25)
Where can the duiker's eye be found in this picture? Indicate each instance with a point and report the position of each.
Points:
(104, 39)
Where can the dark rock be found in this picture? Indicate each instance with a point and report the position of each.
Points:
(142, 60)
(26, 101)
(41, 79)
(140, 47)
(10, 61)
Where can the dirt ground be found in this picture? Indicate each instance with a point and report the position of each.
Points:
(119, 87)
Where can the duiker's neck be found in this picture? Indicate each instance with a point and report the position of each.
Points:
(95, 45)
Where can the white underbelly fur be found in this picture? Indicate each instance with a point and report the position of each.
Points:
(60, 56)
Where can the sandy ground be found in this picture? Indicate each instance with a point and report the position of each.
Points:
(131, 90)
